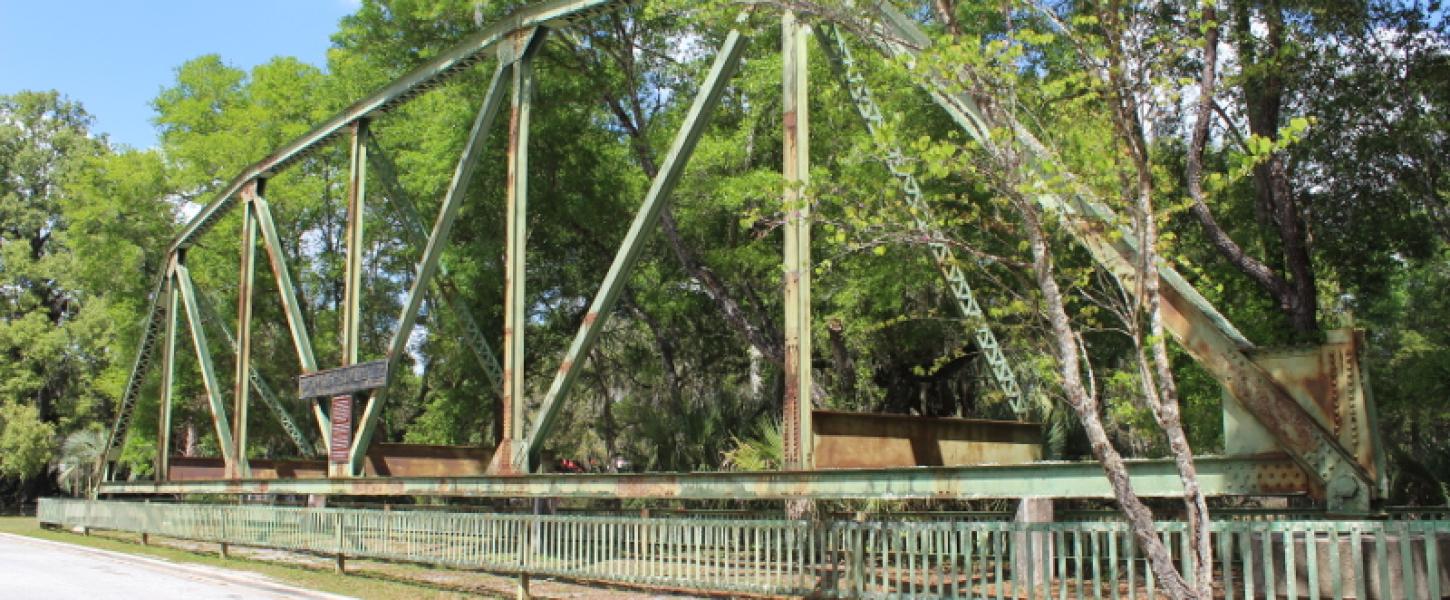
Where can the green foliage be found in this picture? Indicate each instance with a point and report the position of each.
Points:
(763, 451)
(75, 463)
(25, 441)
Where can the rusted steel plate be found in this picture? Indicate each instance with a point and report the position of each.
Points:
(360, 377)
(419, 460)
(1329, 382)
(859, 440)
(191, 468)
(383, 460)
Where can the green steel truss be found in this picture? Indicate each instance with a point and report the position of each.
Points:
(511, 43)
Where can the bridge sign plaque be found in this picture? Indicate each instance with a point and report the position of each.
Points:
(345, 380)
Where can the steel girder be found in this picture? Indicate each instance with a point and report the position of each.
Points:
(1219, 476)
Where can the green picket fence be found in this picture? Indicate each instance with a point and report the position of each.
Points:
(829, 558)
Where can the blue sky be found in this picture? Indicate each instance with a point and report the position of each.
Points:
(115, 56)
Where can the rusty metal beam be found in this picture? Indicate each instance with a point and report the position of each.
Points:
(354, 242)
(515, 276)
(247, 278)
(168, 378)
(845, 440)
(795, 169)
(292, 308)
(1265, 475)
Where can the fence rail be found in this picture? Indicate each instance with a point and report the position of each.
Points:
(830, 558)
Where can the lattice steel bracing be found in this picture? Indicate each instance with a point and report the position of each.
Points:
(150, 328)
(921, 215)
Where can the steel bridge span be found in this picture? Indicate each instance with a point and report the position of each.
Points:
(1294, 419)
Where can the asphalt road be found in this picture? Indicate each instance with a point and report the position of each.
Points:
(42, 569)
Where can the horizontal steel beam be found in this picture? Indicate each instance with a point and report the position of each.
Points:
(420, 79)
(1258, 475)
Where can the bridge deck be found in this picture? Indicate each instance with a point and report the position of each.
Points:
(1255, 475)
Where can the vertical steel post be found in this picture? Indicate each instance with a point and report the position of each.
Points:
(515, 307)
(352, 292)
(796, 172)
(168, 377)
(356, 204)
(242, 391)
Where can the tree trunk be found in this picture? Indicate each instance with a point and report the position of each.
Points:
(1263, 89)
(1140, 520)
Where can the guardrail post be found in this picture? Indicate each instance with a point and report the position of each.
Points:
(526, 540)
(856, 537)
(340, 566)
(1031, 547)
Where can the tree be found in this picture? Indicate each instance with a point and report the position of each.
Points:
(75, 464)
(25, 441)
